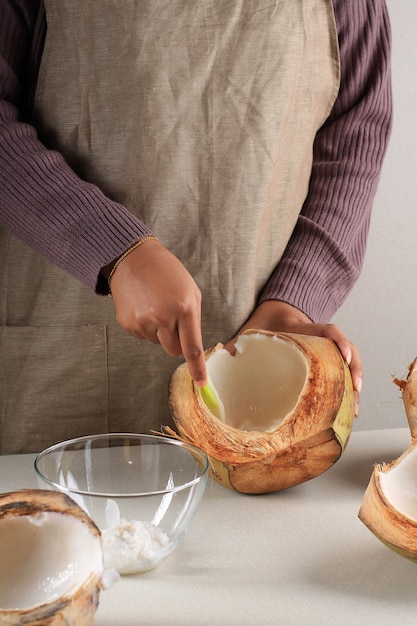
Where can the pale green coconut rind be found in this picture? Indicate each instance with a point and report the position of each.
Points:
(308, 441)
(395, 530)
(76, 610)
(343, 423)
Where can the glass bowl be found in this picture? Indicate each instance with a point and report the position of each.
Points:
(142, 491)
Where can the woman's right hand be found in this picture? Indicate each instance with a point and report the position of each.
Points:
(157, 299)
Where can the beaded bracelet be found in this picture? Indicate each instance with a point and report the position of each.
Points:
(124, 255)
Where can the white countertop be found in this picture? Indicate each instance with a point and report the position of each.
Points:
(299, 557)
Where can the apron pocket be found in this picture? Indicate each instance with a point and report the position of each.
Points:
(53, 385)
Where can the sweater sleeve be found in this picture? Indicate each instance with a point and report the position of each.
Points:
(325, 254)
(42, 201)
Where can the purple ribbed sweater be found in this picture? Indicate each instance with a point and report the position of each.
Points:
(74, 225)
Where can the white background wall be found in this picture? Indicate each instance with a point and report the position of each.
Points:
(380, 315)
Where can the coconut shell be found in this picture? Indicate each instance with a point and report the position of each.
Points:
(393, 528)
(409, 396)
(77, 609)
(309, 440)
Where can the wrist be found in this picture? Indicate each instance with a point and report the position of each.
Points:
(110, 269)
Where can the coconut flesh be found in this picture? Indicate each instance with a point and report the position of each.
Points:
(285, 410)
(399, 484)
(389, 506)
(259, 387)
(131, 546)
(51, 560)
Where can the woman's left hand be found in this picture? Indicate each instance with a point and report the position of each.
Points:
(279, 316)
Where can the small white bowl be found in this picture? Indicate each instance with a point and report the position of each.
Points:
(142, 491)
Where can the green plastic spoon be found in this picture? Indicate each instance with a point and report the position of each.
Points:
(211, 399)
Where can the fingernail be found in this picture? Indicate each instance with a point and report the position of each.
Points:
(348, 356)
(358, 384)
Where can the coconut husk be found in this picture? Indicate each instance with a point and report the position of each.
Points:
(307, 442)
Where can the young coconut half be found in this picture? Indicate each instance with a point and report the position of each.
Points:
(285, 410)
(389, 506)
(51, 560)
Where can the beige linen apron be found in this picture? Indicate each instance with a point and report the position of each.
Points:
(200, 118)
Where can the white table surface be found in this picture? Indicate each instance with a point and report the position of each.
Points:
(294, 558)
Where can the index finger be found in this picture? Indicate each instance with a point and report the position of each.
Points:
(192, 348)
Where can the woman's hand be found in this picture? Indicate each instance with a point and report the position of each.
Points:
(281, 317)
(157, 299)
